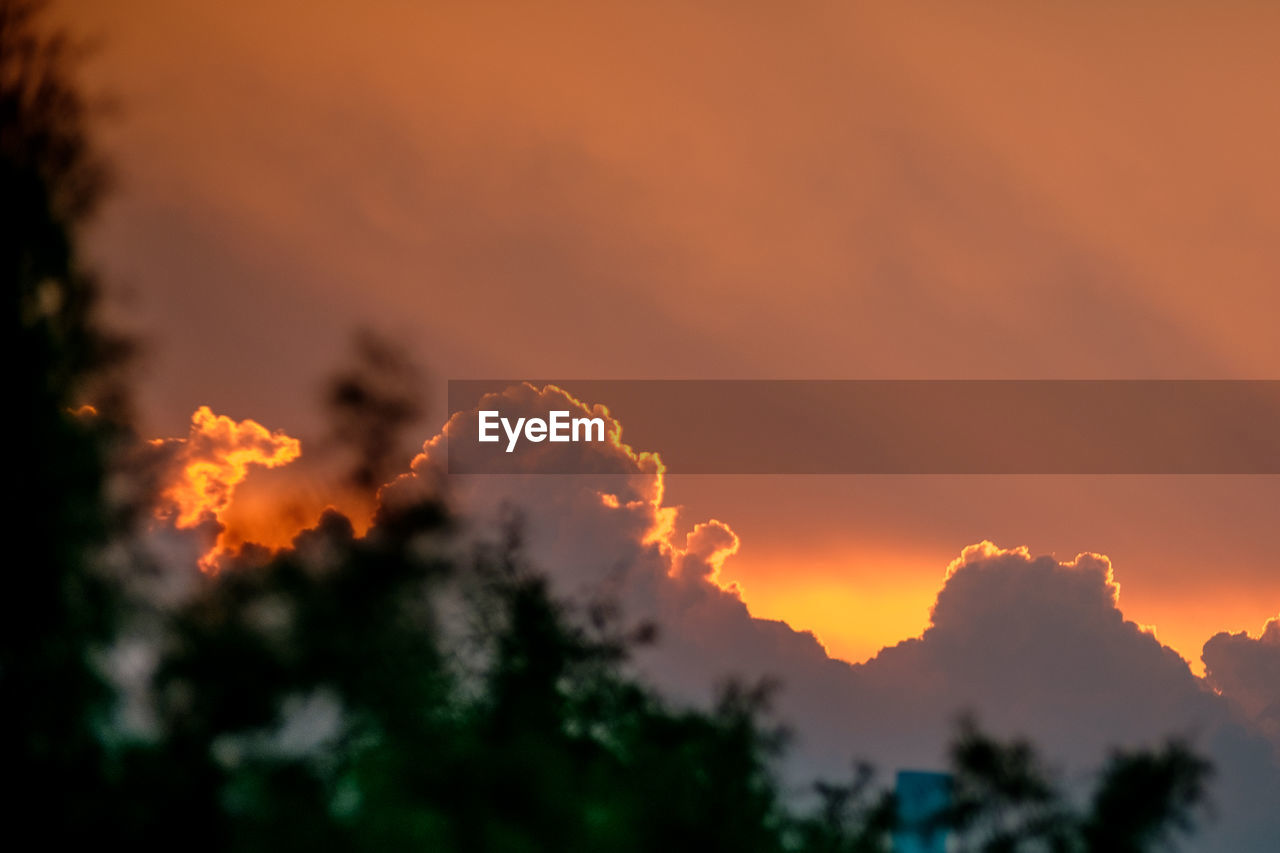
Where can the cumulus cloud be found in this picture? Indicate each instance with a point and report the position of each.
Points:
(1036, 645)
(609, 534)
(1033, 644)
(1247, 671)
(706, 548)
(214, 458)
(197, 475)
(1040, 646)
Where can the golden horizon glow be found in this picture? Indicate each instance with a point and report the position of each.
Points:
(855, 611)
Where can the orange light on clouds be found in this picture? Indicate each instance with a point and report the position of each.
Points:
(855, 597)
(1185, 626)
(859, 599)
(215, 458)
(272, 507)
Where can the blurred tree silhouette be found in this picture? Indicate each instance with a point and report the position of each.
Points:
(1144, 798)
(385, 692)
(1003, 799)
(370, 404)
(53, 609)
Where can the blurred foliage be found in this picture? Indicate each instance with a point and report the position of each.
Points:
(1005, 800)
(53, 609)
(388, 692)
(369, 406)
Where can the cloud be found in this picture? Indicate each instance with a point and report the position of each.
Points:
(1037, 645)
(1247, 671)
(706, 548)
(610, 535)
(1033, 644)
(199, 473)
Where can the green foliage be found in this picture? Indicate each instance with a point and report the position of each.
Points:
(544, 745)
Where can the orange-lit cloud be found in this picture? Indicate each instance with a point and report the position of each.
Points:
(208, 465)
(706, 548)
(1032, 643)
(270, 508)
(627, 483)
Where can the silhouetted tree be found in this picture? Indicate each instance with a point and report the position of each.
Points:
(856, 817)
(54, 609)
(1005, 800)
(370, 404)
(1144, 798)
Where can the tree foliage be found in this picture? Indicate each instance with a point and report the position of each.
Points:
(1004, 799)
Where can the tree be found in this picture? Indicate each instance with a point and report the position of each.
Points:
(1005, 800)
(54, 609)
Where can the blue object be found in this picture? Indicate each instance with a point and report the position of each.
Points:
(922, 799)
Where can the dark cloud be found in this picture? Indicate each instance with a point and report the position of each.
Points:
(1247, 671)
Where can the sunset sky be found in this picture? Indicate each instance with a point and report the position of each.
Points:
(726, 190)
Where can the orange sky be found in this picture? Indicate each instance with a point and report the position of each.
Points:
(796, 190)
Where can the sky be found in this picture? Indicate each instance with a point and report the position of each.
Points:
(713, 190)
(725, 190)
